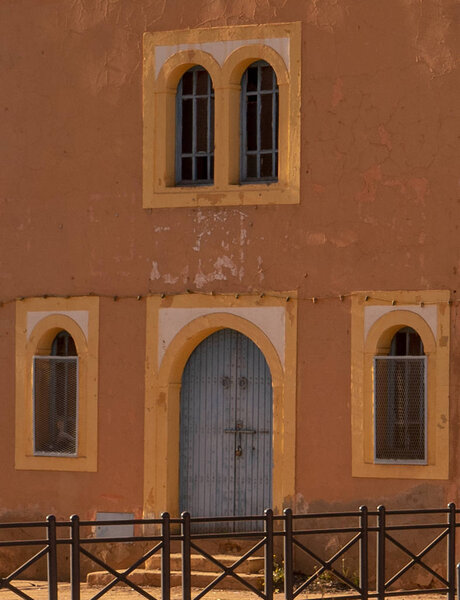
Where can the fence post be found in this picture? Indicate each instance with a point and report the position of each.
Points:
(451, 551)
(381, 554)
(268, 530)
(288, 558)
(363, 553)
(75, 557)
(186, 564)
(458, 581)
(166, 557)
(52, 558)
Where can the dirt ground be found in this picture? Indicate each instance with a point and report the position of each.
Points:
(38, 591)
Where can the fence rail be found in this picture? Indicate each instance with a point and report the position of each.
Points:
(291, 535)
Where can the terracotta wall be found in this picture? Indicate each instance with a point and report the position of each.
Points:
(379, 210)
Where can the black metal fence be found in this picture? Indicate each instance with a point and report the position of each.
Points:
(373, 536)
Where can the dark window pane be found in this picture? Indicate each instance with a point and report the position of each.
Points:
(275, 100)
(211, 137)
(251, 166)
(406, 342)
(187, 126)
(187, 83)
(400, 344)
(415, 344)
(211, 167)
(187, 169)
(202, 168)
(267, 78)
(63, 345)
(252, 77)
(266, 166)
(276, 165)
(201, 124)
(202, 78)
(266, 130)
(251, 123)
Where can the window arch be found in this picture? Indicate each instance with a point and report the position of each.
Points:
(195, 128)
(400, 400)
(55, 398)
(259, 124)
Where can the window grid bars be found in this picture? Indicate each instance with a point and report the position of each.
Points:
(52, 358)
(244, 126)
(194, 154)
(423, 360)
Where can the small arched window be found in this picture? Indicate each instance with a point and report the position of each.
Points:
(195, 128)
(259, 124)
(55, 397)
(400, 400)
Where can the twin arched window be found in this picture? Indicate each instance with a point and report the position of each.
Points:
(258, 126)
(55, 395)
(400, 400)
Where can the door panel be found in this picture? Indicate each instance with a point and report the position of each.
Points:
(226, 428)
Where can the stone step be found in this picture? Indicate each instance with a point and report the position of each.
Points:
(200, 579)
(253, 564)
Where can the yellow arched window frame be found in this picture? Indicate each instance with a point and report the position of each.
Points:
(376, 317)
(38, 321)
(225, 53)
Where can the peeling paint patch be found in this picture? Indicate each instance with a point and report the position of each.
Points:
(154, 273)
(222, 262)
(316, 239)
(326, 14)
(260, 270)
(168, 278)
(432, 32)
(344, 239)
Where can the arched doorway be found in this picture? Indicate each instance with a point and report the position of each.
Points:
(226, 425)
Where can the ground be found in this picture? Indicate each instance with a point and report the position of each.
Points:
(39, 591)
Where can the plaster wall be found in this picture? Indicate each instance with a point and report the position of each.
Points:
(379, 209)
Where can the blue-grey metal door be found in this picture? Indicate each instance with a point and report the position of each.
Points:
(226, 421)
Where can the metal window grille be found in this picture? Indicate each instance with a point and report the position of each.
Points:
(195, 128)
(55, 399)
(259, 124)
(400, 409)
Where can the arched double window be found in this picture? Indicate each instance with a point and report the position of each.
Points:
(400, 400)
(55, 398)
(195, 128)
(259, 124)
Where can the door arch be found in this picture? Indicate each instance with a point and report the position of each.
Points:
(226, 428)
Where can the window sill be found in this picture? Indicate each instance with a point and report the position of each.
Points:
(232, 195)
(56, 463)
(401, 471)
